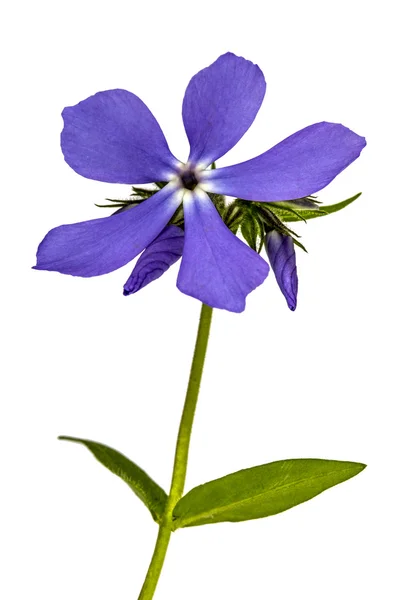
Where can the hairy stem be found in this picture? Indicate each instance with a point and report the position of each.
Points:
(181, 454)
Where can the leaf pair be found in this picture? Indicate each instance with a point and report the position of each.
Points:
(248, 494)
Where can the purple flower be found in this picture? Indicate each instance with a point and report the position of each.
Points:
(113, 137)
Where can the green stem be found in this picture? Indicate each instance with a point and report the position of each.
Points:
(181, 454)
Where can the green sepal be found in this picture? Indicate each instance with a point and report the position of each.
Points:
(233, 216)
(290, 211)
(121, 204)
(299, 244)
(137, 196)
(149, 492)
(261, 491)
(252, 229)
(219, 203)
(178, 218)
(116, 205)
(138, 193)
(272, 222)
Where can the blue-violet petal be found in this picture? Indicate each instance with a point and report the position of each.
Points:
(220, 104)
(113, 137)
(103, 245)
(217, 267)
(301, 165)
(158, 257)
(282, 257)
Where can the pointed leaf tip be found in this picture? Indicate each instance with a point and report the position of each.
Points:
(151, 494)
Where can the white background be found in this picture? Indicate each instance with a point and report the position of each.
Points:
(81, 359)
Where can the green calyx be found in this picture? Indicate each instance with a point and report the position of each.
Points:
(253, 219)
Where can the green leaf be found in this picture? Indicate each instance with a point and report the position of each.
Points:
(288, 212)
(140, 483)
(261, 491)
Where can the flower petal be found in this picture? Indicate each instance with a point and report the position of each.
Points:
(217, 267)
(158, 257)
(281, 254)
(220, 104)
(102, 245)
(113, 137)
(301, 165)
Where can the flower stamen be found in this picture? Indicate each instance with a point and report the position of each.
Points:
(189, 180)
